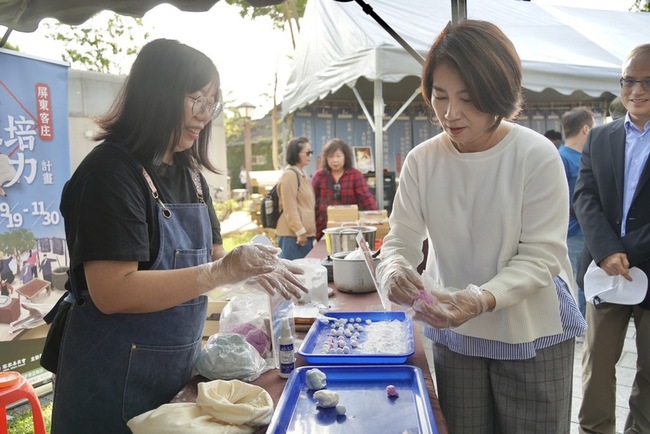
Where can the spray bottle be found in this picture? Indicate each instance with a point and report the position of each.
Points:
(287, 357)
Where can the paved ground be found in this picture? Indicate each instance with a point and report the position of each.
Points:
(625, 371)
(238, 221)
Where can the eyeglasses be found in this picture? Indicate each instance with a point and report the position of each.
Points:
(629, 83)
(308, 152)
(337, 191)
(201, 105)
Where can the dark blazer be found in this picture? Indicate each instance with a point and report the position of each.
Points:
(598, 203)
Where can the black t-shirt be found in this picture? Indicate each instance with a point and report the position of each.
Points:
(110, 213)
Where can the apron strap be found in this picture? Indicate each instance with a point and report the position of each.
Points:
(197, 185)
(154, 192)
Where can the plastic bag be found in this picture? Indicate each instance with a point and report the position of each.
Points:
(247, 315)
(228, 356)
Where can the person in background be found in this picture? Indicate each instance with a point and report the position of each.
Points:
(46, 267)
(576, 124)
(144, 248)
(616, 109)
(491, 199)
(243, 177)
(25, 273)
(612, 203)
(6, 288)
(338, 183)
(555, 137)
(32, 262)
(296, 229)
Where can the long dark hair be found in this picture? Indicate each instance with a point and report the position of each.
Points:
(148, 113)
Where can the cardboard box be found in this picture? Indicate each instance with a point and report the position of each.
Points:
(343, 213)
(382, 228)
(378, 215)
(378, 219)
(337, 224)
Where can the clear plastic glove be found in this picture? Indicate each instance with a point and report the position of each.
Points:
(450, 307)
(397, 278)
(254, 265)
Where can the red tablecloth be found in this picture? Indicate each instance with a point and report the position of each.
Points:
(340, 301)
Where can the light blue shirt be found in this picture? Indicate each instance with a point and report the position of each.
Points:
(571, 160)
(637, 148)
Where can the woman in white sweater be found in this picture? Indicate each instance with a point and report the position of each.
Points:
(491, 198)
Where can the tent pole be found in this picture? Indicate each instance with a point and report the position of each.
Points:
(402, 108)
(458, 11)
(363, 107)
(368, 10)
(14, 21)
(379, 143)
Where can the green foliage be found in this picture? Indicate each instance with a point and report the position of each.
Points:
(103, 44)
(21, 422)
(234, 124)
(641, 6)
(235, 157)
(17, 241)
(278, 14)
(8, 46)
(235, 239)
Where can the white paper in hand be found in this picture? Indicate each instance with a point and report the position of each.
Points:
(601, 288)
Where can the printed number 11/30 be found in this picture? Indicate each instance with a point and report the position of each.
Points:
(14, 220)
(49, 217)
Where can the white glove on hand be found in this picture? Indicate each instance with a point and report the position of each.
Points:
(254, 265)
(396, 277)
(450, 307)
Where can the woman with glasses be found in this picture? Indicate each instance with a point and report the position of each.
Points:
(296, 228)
(145, 246)
(338, 183)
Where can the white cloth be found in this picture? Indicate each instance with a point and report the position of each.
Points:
(235, 402)
(496, 219)
(222, 407)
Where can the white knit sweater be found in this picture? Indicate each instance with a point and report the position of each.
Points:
(496, 219)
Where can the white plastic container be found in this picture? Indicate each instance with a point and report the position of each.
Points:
(315, 279)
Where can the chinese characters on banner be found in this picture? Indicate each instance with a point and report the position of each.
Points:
(34, 166)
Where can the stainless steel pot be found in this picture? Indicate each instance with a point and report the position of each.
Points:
(343, 239)
(352, 275)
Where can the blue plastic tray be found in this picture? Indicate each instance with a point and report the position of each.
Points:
(362, 390)
(311, 348)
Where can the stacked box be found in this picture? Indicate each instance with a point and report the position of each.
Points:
(378, 219)
(338, 214)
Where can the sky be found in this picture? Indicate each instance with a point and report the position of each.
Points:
(248, 53)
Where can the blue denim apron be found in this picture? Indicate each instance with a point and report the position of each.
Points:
(115, 367)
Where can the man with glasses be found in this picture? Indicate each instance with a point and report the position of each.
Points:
(612, 203)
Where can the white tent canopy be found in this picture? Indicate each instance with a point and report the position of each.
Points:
(564, 51)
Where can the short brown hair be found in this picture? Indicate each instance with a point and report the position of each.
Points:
(333, 146)
(486, 61)
(575, 119)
